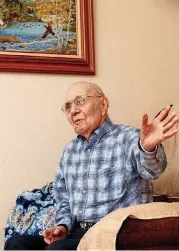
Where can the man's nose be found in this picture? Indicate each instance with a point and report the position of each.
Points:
(74, 109)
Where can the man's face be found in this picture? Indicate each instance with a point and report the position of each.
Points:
(87, 117)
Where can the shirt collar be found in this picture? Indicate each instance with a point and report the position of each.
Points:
(106, 127)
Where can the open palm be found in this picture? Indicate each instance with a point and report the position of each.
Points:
(162, 127)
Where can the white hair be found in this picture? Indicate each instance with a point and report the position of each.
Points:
(95, 86)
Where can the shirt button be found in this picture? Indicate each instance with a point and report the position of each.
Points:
(88, 150)
(84, 191)
(10, 231)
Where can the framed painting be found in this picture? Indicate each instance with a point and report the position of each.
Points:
(47, 36)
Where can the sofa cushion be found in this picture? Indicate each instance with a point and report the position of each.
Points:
(149, 234)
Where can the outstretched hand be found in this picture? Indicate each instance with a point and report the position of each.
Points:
(162, 127)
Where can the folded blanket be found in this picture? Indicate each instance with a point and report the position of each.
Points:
(102, 236)
(32, 213)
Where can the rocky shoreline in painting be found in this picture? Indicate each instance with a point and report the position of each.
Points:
(9, 39)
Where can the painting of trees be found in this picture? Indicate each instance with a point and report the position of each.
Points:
(62, 12)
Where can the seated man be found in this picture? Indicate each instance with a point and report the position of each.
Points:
(105, 168)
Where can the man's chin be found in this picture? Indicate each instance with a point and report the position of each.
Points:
(80, 131)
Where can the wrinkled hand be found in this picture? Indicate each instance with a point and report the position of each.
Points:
(161, 128)
(55, 233)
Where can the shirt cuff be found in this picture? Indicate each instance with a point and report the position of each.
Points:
(140, 144)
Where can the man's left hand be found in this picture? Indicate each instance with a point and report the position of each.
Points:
(162, 127)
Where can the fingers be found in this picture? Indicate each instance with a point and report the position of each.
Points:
(171, 133)
(171, 124)
(169, 118)
(46, 233)
(56, 231)
(47, 236)
(144, 120)
(164, 113)
(47, 241)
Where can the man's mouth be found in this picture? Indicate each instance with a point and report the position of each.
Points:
(78, 121)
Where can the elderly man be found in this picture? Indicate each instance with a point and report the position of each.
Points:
(105, 168)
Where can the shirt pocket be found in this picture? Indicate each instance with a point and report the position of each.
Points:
(110, 179)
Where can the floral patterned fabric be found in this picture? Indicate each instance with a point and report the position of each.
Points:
(33, 212)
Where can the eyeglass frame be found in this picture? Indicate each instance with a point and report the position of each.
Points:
(73, 101)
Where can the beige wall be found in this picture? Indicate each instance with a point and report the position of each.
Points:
(137, 58)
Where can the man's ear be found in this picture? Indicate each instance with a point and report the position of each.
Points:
(104, 105)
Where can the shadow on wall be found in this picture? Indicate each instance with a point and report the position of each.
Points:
(167, 5)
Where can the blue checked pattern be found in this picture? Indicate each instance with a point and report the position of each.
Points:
(108, 172)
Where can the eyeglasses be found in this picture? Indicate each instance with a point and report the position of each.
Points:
(78, 101)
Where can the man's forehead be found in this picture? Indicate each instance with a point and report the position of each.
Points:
(77, 90)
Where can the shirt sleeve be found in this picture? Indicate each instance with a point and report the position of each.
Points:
(62, 207)
(149, 165)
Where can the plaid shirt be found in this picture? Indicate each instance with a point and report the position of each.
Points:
(108, 172)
